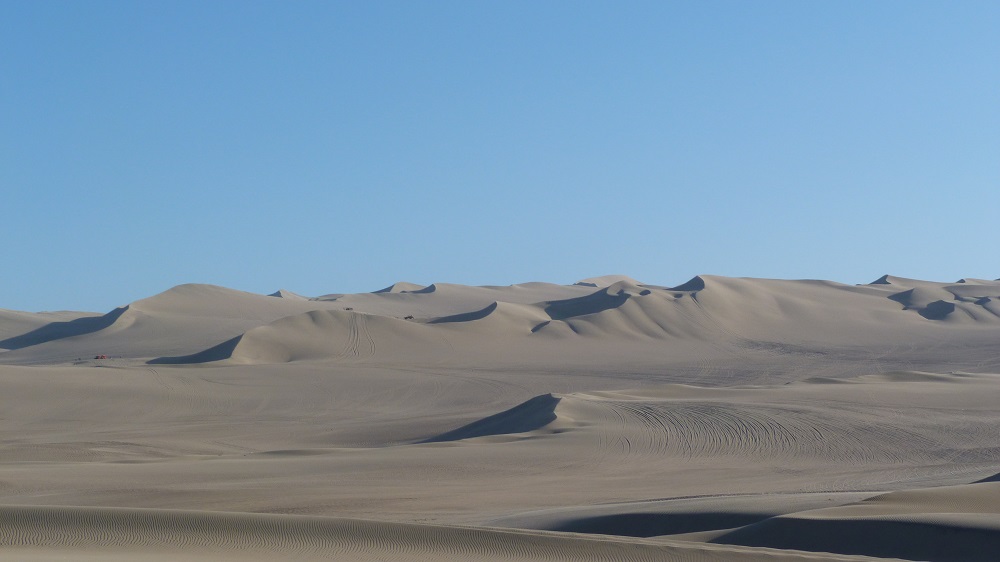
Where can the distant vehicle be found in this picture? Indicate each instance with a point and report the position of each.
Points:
(100, 357)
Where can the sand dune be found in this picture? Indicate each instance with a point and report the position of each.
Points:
(969, 302)
(792, 422)
(24, 329)
(740, 313)
(42, 533)
(285, 294)
(309, 336)
(535, 414)
(717, 419)
(959, 523)
(687, 518)
(949, 523)
(402, 287)
(182, 319)
(444, 299)
(499, 317)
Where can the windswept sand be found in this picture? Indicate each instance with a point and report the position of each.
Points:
(720, 419)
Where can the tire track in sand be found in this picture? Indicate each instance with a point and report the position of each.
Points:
(360, 343)
(689, 429)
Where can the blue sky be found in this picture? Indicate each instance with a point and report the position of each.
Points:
(341, 146)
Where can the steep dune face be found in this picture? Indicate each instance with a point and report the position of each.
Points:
(402, 287)
(498, 318)
(15, 324)
(533, 415)
(25, 329)
(900, 281)
(286, 294)
(599, 301)
(630, 314)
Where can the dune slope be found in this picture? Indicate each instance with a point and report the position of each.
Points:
(50, 533)
(952, 523)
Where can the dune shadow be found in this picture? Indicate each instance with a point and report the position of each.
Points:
(528, 416)
(905, 298)
(61, 330)
(880, 538)
(581, 306)
(938, 310)
(696, 283)
(218, 352)
(401, 287)
(432, 288)
(657, 524)
(466, 316)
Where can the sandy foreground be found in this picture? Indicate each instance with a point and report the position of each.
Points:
(722, 419)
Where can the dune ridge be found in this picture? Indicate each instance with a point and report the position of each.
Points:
(286, 294)
(741, 313)
(402, 287)
(532, 415)
(189, 320)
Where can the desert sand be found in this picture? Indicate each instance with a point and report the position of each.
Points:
(611, 419)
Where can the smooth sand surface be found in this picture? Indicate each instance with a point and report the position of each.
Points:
(721, 419)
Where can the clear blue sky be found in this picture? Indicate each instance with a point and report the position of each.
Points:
(341, 146)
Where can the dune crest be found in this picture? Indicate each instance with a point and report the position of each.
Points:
(401, 287)
(533, 415)
(742, 314)
(695, 284)
(606, 280)
(499, 317)
(285, 294)
(58, 330)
